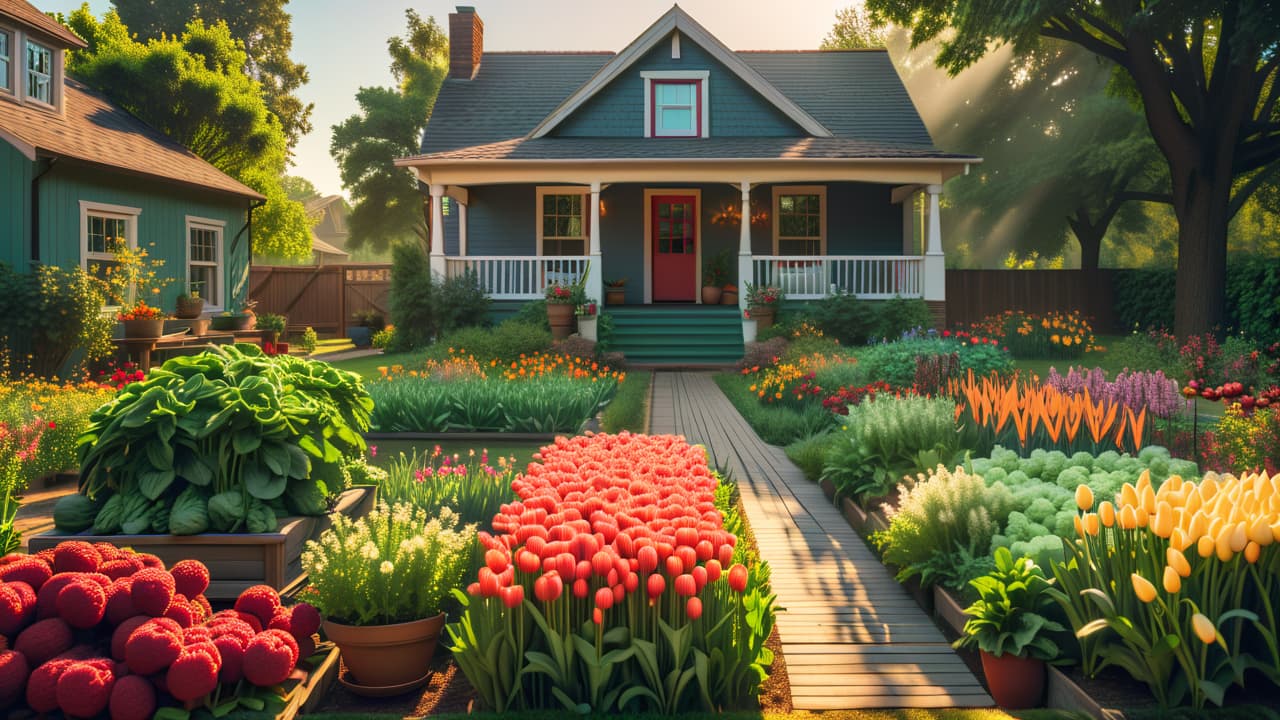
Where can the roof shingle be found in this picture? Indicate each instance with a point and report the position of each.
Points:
(92, 129)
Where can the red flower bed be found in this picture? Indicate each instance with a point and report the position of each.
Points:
(94, 630)
(840, 401)
(617, 542)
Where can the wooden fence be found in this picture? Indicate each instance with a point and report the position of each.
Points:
(975, 294)
(324, 298)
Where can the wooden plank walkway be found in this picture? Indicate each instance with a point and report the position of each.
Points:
(852, 636)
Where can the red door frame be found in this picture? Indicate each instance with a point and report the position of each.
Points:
(675, 275)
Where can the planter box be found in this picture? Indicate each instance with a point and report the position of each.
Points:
(307, 687)
(236, 561)
(587, 327)
(1063, 694)
(750, 329)
(828, 488)
(949, 610)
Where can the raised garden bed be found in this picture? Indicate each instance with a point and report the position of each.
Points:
(236, 561)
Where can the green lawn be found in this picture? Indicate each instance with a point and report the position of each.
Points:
(627, 410)
(367, 366)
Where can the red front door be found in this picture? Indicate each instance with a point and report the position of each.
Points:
(674, 219)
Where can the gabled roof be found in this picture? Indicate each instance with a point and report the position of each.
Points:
(27, 15)
(94, 130)
(677, 20)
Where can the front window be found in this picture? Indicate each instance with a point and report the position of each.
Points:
(800, 221)
(106, 234)
(5, 61)
(563, 221)
(39, 73)
(676, 111)
(204, 244)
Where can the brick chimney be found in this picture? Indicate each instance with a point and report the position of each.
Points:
(466, 43)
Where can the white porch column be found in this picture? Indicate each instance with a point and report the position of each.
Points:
(438, 266)
(909, 225)
(462, 229)
(744, 246)
(935, 266)
(595, 270)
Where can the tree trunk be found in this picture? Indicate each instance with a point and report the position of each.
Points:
(1202, 207)
(1090, 239)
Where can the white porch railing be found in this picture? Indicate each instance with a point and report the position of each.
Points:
(808, 277)
(518, 277)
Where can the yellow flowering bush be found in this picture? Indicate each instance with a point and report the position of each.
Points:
(1028, 335)
(792, 381)
(1177, 584)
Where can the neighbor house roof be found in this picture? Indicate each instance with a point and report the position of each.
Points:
(324, 248)
(94, 130)
(27, 15)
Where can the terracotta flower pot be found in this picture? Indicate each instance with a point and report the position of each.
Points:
(387, 655)
(1016, 682)
(763, 315)
(560, 317)
(189, 308)
(143, 328)
(615, 297)
(711, 295)
(729, 297)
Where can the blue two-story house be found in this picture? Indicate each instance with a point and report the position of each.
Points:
(809, 170)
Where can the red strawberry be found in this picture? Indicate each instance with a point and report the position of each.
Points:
(191, 577)
(82, 603)
(44, 640)
(152, 591)
(121, 635)
(76, 556)
(182, 611)
(84, 688)
(132, 698)
(270, 658)
(17, 607)
(306, 620)
(42, 686)
(260, 601)
(32, 571)
(194, 673)
(120, 601)
(153, 646)
(13, 676)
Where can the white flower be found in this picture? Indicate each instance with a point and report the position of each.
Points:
(386, 568)
(369, 551)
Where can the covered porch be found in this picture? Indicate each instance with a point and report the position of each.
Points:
(812, 228)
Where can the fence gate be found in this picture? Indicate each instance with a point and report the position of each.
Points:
(323, 297)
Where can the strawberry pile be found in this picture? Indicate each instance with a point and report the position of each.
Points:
(93, 630)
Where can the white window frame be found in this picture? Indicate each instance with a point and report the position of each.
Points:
(220, 228)
(692, 76)
(542, 192)
(53, 75)
(7, 82)
(115, 212)
(821, 192)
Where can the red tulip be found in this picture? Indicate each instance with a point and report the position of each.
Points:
(725, 555)
(597, 617)
(675, 566)
(528, 562)
(602, 563)
(489, 584)
(513, 596)
(473, 589)
(705, 550)
(583, 570)
(713, 570)
(699, 574)
(496, 560)
(546, 589)
(738, 578)
(686, 585)
(693, 608)
(656, 585)
(631, 581)
(581, 589)
(566, 565)
(604, 598)
(688, 557)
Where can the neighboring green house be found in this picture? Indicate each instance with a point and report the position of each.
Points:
(77, 170)
(639, 164)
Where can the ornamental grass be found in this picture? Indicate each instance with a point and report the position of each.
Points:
(471, 486)
(1177, 585)
(616, 583)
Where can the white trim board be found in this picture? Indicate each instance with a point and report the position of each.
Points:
(820, 191)
(543, 190)
(218, 226)
(703, 96)
(677, 20)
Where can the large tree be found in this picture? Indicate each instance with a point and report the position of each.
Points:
(1205, 74)
(387, 203)
(192, 87)
(264, 28)
(854, 30)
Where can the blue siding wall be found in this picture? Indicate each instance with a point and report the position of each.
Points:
(737, 110)
(501, 220)
(162, 222)
(862, 220)
(15, 206)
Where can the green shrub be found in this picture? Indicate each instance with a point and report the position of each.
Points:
(1144, 299)
(810, 454)
(459, 302)
(533, 312)
(775, 424)
(541, 405)
(506, 342)
(48, 316)
(857, 322)
(939, 514)
(412, 298)
(309, 340)
(384, 338)
(883, 440)
(1148, 350)
(895, 362)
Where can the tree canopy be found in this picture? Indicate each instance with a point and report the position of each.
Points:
(388, 205)
(1204, 74)
(854, 30)
(264, 28)
(192, 87)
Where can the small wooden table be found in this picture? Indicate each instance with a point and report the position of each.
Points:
(140, 349)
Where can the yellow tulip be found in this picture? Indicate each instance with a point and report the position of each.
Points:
(1162, 524)
(1209, 485)
(1128, 496)
(1079, 525)
(1149, 499)
(1204, 629)
(1215, 526)
(1128, 517)
(1178, 562)
(1251, 552)
(1205, 546)
(1084, 497)
(1172, 581)
(1144, 480)
(1261, 533)
(1222, 544)
(1178, 540)
(1107, 513)
(1144, 517)
(1198, 526)
(1239, 537)
(1194, 500)
(1173, 484)
(1275, 528)
(1143, 588)
(1091, 523)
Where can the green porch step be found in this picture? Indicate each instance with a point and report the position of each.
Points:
(677, 335)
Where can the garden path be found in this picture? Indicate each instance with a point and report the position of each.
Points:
(851, 635)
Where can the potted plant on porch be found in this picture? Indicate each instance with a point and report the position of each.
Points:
(366, 323)
(729, 294)
(381, 583)
(762, 304)
(189, 306)
(714, 275)
(141, 320)
(615, 291)
(562, 301)
(271, 325)
(1008, 626)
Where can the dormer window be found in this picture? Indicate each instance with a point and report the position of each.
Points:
(676, 104)
(39, 73)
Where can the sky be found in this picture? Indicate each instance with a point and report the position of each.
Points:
(343, 42)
